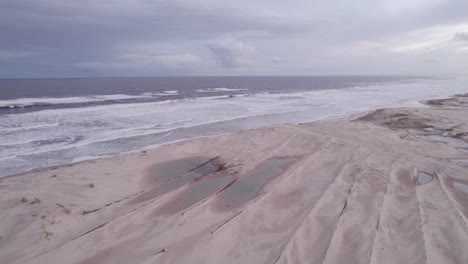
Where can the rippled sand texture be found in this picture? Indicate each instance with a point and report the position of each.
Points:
(389, 187)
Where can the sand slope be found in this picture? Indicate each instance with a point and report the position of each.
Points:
(324, 192)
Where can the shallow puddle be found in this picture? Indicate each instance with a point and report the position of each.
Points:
(195, 193)
(173, 168)
(177, 173)
(454, 142)
(460, 186)
(424, 178)
(247, 187)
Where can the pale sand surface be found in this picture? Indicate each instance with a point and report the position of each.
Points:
(324, 192)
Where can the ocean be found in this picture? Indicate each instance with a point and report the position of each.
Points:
(45, 122)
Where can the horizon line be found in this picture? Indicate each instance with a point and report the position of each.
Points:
(234, 76)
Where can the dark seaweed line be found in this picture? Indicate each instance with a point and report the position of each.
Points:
(199, 203)
(227, 221)
(145, 190)
(114, 202)
(185, 173)
(225, 187)
(152, 200)
(232, 182)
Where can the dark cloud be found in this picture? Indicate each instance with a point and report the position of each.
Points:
(71, 33)
(156, 37)
(47, 23)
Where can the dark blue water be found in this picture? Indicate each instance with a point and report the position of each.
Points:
(98, 91)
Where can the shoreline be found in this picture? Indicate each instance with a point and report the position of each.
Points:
(110, 156)
(348, 117)
(327, 191)
(63, 137)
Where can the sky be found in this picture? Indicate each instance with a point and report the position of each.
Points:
(105, 38)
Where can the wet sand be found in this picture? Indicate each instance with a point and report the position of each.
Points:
(388, 187)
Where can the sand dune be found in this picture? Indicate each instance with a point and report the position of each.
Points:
(388, 187)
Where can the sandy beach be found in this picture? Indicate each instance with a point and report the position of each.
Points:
(390, 186)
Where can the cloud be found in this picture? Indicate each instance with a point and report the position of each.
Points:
(140, 61)
(278, 60)
(15, 54)
(231, 53)
(429, 61)
(423, 40)
(461, 36)
(56, 38)
(178, 60)
(102, 22)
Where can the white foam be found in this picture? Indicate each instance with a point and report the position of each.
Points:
(24, 102)
(213, 97)
(31, 127)
(174, 92)
(137, 125)
(223, 89)
(220, 89)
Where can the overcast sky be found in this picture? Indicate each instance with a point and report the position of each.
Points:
(80, 38)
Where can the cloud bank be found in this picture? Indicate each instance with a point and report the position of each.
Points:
(54, 38)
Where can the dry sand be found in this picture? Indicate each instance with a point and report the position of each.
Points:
(389, 187)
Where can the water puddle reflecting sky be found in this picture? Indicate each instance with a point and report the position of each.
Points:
(248, 186)
(174, 174)
(454, 142)
(424, 178)
(460, 186)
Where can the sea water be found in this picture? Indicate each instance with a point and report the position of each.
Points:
(56, 121)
